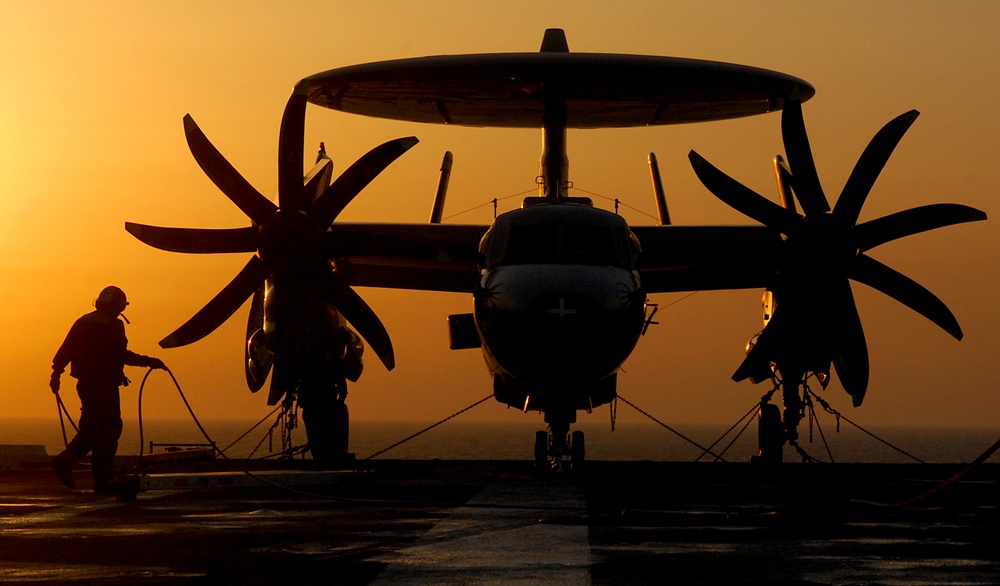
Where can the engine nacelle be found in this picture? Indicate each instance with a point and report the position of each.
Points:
(768, 303)
(260, 359)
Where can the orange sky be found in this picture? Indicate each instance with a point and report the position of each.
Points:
(91, 101)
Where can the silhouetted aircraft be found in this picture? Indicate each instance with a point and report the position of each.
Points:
(559, 287)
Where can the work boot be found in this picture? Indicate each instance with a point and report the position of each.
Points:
(125, 489)
(105, 486)
(64, 473)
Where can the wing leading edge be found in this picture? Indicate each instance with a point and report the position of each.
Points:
(445, 257)
(428, 257)
(702, 258)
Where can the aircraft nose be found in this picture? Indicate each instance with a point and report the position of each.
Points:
(561, 308)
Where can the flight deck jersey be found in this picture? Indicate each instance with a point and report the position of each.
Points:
(97, 350)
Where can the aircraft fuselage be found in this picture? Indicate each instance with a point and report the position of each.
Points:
(559, 305)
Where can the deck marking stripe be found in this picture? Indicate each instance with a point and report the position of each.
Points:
(481, 545)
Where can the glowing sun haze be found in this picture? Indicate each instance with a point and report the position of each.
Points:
(91, 101)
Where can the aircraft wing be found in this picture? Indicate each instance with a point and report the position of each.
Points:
(700, 258)
(444, 257)
(429, 257)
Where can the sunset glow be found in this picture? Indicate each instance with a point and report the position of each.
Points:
(93, 95)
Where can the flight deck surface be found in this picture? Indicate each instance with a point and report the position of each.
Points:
(453, 522)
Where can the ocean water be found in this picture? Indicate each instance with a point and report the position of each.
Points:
(463, 440)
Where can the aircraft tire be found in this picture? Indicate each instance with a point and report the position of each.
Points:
(770, 435)
(327, 425)
(577, 449)
(541, 451)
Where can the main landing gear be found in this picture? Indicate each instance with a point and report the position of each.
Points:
(775, 426)
(327, 423)
(327, 432)
(770, 435)
(552, 447)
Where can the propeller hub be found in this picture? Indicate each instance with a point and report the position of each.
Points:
(289, 240)
(822, 245)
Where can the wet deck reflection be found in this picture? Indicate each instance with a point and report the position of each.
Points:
(496, 523)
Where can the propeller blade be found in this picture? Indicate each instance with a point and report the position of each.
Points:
(196, 240)
(221, 307)
(255, 323)
(282, 377)
(906, 291)
(339, 294)
(333, 201)
(851, 363)
(805, 180)
(912, 221)
(851, 358)
(288, 315)
(290, 150)
(870, 165)
(742, 198)
(257, 207)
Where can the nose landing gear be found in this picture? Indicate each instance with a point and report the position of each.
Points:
(554, 446)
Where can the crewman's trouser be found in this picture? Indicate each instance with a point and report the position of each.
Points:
(100, 428)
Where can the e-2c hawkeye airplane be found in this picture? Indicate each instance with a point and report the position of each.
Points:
(559, 287)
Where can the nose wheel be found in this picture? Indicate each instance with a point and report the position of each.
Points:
(559, 451)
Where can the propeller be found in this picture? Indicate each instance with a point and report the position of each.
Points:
(816, 322)
(286, 239)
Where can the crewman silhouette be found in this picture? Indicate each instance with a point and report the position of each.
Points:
(97, 351)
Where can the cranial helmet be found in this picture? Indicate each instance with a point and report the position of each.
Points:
(111, 300)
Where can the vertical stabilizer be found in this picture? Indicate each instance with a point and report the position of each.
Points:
(554, 41)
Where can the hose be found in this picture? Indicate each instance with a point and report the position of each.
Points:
(63, 412)
(215, 447)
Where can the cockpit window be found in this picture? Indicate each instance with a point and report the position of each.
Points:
(565, 243)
